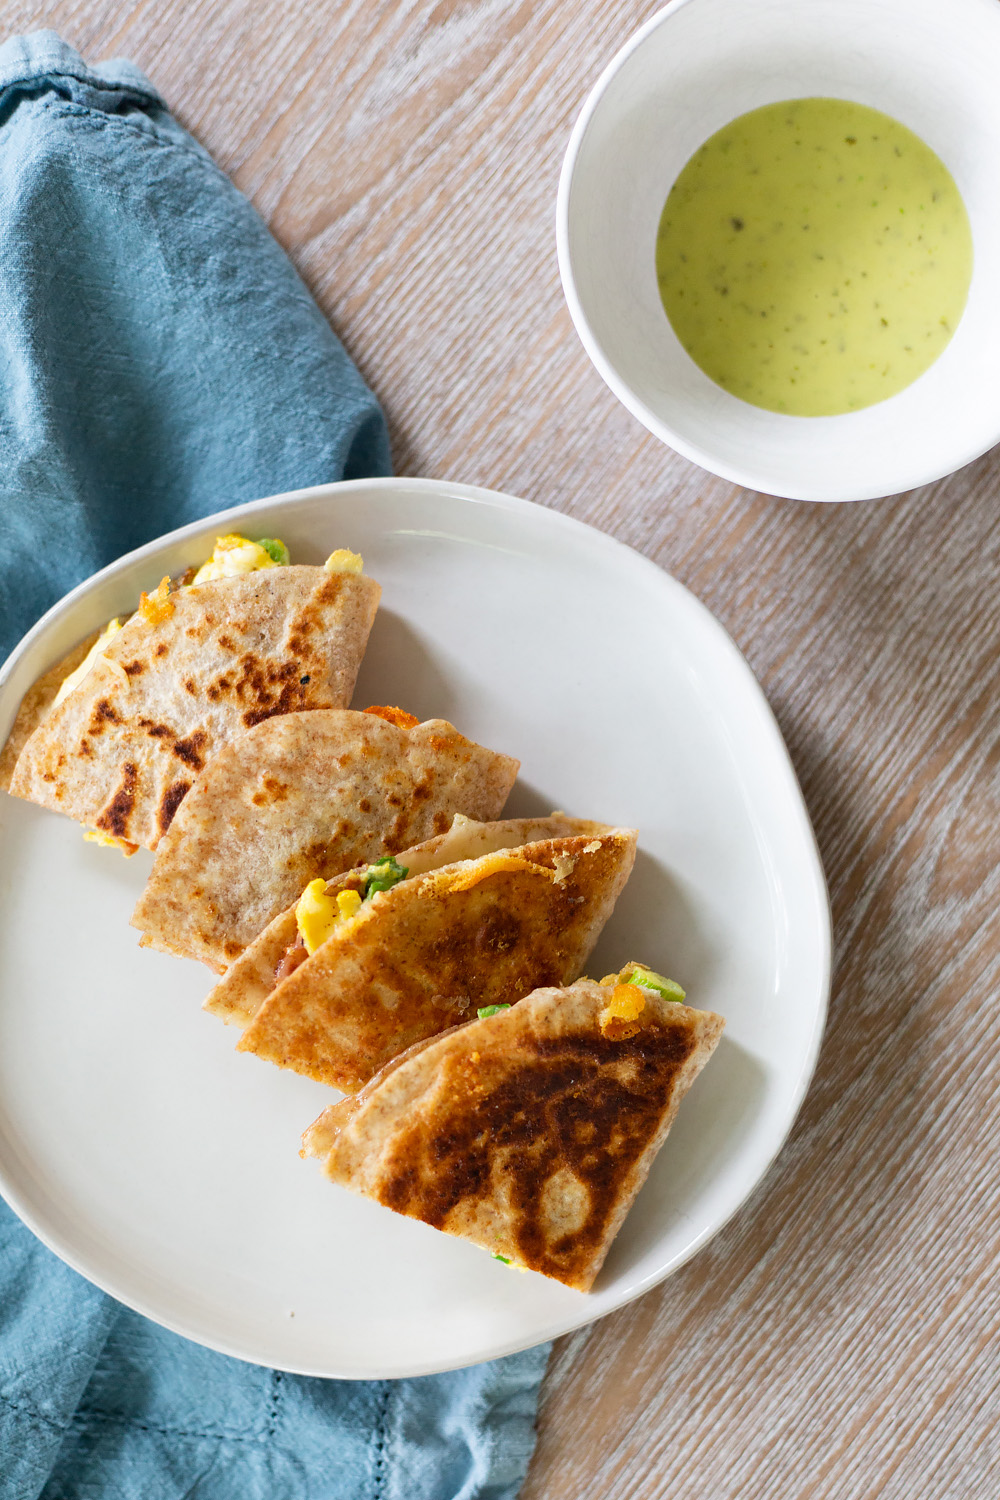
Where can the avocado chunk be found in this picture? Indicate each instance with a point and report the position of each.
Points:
(383, 875)
(650, 980)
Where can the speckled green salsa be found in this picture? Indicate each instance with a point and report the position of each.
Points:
(814, 257)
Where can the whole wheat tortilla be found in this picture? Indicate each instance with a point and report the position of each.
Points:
(300, 797)
(237, 997)
(427, 953)
(124, 747)
(529, 1132)
(35, 706)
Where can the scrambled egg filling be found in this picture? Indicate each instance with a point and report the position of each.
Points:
(236, 554)
(96, 836)
(508, 1260)
(74, 679)
(318, 913)
(344, 561)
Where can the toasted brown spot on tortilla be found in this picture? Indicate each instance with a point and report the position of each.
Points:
(266, 685)
(262, 607)
(364, 805)
(309, 617)
(133, 668)
(104, 713)
(499, 933)
(170, 802)
(602, 1104)
(156, 731)
(189, 750)
(258, 715)
(274, 790)
(114, 819)
(330, 589)
(317, 829)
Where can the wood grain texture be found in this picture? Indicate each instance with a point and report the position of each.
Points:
(839, 1340)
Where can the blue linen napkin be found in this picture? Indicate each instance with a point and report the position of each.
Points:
(161, 359)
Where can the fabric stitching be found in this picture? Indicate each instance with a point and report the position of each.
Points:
(277, 1376)
(381, 1468)
(81, 1418)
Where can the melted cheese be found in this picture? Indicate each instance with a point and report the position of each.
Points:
(157, 606)
(75, 677)
(493, 864)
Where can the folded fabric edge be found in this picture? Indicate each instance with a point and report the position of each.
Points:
(466, 1435)
(43, 54)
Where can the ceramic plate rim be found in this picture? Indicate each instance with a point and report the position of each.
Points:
(623, 557)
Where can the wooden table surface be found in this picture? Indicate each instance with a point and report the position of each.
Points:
(840, 1337)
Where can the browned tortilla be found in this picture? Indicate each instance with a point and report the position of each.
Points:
(529, 1132)
(237, 998)
(124, 748)
(426, 954)
(35, 706)
(299, 797)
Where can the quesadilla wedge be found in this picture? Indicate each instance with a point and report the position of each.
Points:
(237, 998)
(301, 797)
(384, 970)
(36, 703)
(187, 673)
(531, 1130)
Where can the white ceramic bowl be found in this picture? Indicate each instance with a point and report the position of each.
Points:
(932, 64)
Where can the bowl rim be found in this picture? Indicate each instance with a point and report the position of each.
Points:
(747, 476)
(629, 564)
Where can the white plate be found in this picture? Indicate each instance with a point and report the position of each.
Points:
(163, 1165)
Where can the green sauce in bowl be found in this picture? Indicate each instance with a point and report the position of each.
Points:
(814, 257)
